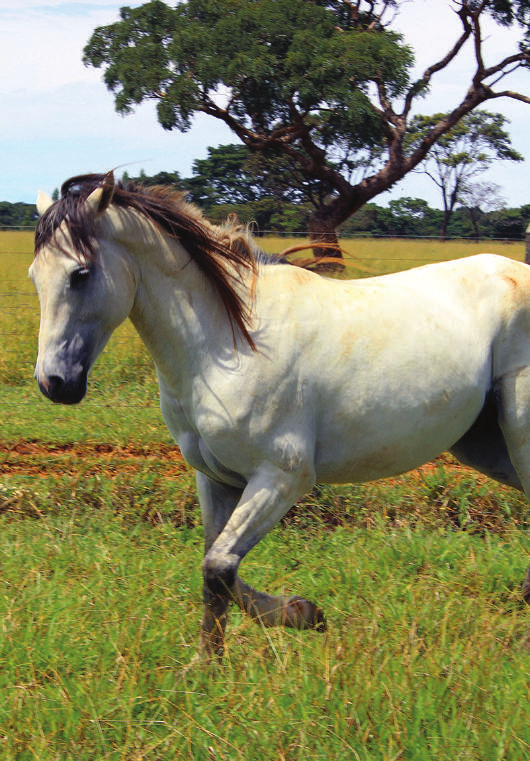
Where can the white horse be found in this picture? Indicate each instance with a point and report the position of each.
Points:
(272, 377)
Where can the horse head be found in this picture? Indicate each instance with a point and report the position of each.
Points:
(86, 286)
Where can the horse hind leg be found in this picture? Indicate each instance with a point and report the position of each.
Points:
(483, 447)
(496, 444)
(514, 416)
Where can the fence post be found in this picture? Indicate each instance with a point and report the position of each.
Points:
(527, 251)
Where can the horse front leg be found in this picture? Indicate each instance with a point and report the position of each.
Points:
(267, 497)
(217, 502)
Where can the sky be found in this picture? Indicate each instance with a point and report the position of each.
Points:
(57, 118)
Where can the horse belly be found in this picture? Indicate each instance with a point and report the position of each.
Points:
(394, 431)
(369, 457)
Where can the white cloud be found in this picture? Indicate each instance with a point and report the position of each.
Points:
(41, 46)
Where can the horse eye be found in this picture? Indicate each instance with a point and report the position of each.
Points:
(79, 277)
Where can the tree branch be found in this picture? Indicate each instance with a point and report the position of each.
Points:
(518, 59)
(510, 94)
(424, 81)
(477, 36)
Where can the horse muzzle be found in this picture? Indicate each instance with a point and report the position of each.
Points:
(62, 390)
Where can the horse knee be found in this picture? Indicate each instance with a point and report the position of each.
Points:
(219, 572)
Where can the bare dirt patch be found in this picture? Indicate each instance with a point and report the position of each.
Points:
(35, 458)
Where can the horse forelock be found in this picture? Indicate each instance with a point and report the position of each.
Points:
(70, 213)
(224, 254)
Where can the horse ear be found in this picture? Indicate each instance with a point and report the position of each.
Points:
(101, 198)
(43, 202)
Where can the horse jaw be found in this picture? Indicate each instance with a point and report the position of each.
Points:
(43, 202)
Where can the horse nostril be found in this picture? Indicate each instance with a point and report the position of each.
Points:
(56, 383)
(52, 386)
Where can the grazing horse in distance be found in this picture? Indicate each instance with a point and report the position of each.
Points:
(272, 377)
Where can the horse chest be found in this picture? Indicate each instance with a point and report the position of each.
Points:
(184, 426)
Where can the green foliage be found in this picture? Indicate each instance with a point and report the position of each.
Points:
(509, 223)
(222, 178)
(171, 179)
(296, 74)
(232, 180)
(17, 214)
(478, 139)
(270, 57)
(262, 188)
(506, 12)
(463, 152)
(413, 217)
(266, 52)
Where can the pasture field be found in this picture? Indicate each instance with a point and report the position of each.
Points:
(427, 655)
(366, 257)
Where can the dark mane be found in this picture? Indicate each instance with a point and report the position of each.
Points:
(224, 254)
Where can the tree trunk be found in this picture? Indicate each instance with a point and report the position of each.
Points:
(323, 237)
(445, 223)
(474, 221)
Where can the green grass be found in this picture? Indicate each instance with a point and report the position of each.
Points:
(117, 415)
(427, 654)
(366, 257)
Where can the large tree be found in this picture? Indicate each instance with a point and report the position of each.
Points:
(327, 84)
(463, 152)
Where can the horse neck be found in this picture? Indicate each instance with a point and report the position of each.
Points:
(177, 311)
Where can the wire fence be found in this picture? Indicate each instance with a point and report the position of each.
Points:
(19, 315)
(362, 234)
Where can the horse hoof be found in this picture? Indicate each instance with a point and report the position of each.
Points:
(305, 615)
(320, 624)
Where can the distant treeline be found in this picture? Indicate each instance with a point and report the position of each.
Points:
(17, 214)
(404, 217)
(413, 217)
(265, 205)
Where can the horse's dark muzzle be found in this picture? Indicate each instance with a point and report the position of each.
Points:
(63, 391)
